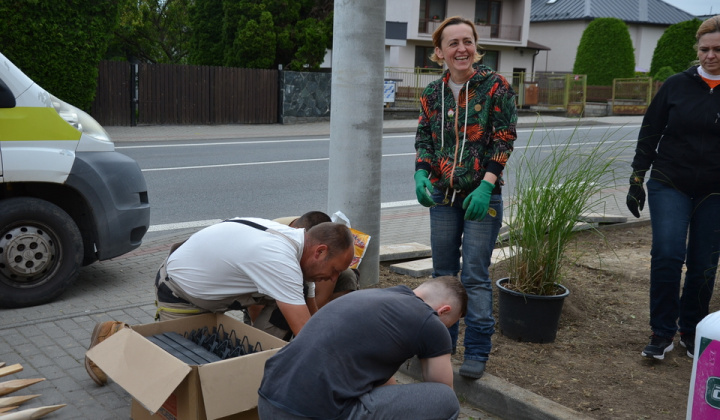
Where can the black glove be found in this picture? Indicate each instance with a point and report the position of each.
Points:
(636, 195)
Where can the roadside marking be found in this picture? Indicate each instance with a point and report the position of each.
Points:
(273, 162)
(227, 165)
(398, 204)
(165, 143)
(226, 143)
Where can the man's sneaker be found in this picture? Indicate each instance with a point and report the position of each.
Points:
(688, 341)
(101, 331)
(472, 369)
(658, 347)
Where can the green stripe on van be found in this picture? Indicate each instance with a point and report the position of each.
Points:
(34, 123)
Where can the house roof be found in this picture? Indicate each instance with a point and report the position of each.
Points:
(654, 12)
(536, 46)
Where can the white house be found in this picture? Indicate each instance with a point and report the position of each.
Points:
(502, 26)
(559, 24)
(523, 35)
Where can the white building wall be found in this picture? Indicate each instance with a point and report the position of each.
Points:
(515, 12)
(563, 38)
(644, 39)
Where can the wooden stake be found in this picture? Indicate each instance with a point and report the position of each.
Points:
(32, 413)
(12, 386)
(20, 399)
(12, 407)
(9, 370)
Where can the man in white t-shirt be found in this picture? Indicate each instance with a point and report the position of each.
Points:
(242, 262)
(270, 319)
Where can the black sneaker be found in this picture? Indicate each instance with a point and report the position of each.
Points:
(658, 347)
(688, 341)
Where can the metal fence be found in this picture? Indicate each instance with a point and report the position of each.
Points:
(562, 92)
(548, 91)
(410, 83)
(632, 96)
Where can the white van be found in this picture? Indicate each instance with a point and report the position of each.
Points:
(67, 198)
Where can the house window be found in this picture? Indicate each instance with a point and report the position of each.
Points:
(490, 59)
(487, 13)
(431, 11)
(422, 58)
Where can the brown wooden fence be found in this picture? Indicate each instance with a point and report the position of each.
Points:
(183, 94)
(113, 96)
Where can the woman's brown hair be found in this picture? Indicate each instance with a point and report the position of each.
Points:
(437, 36)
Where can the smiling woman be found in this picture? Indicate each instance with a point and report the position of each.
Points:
(461, 151)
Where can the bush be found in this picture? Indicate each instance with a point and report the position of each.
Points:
(675, 47)
(556, 181)
(59, 43)
(605, 52)
(664, 73)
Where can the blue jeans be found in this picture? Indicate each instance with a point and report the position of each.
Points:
(448, 233)
(424, 400)
(685, 230)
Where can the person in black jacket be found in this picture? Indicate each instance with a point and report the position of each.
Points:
(680, 140)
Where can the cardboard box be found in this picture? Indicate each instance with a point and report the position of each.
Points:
(163, 387)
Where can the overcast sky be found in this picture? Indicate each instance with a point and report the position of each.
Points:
(697, 7)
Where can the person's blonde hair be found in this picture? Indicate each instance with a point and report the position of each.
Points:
(437, 37)
(709, 26)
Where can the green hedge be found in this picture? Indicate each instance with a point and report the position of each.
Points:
(605, 52)
(59, 43)
(675, 49)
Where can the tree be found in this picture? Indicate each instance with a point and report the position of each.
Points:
(59, 43)
(674, 49)
(262, 33)
(605, 52)
(206, 39)
(254, 45)
(152, 31)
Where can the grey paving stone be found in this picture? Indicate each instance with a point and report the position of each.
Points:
(404, 251)
(602, 218)
(423, 267)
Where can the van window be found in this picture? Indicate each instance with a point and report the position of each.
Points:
(7, 99)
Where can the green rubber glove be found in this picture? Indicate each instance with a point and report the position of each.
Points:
(422, 186)
(477, 203)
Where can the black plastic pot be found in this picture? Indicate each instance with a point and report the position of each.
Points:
(529, 318)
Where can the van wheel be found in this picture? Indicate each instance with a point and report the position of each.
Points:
(41, 251)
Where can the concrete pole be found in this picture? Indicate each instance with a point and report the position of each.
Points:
(356, 117)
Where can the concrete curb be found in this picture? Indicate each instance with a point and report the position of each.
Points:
(501, 398)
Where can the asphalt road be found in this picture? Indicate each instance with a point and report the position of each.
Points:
(195, 183)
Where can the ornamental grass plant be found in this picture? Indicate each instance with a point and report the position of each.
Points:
(553, 183)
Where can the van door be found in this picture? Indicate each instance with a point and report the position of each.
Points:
(7, 100)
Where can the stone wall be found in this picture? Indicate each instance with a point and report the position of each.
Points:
(304, 97)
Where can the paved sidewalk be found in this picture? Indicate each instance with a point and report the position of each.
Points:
(50, 340)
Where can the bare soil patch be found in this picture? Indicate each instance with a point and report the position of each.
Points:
(594, 366)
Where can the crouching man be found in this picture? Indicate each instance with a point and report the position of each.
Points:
(337, 366)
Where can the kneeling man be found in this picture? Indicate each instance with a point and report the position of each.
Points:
(336, 368)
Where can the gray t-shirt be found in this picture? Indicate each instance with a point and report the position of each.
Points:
(352, 345)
